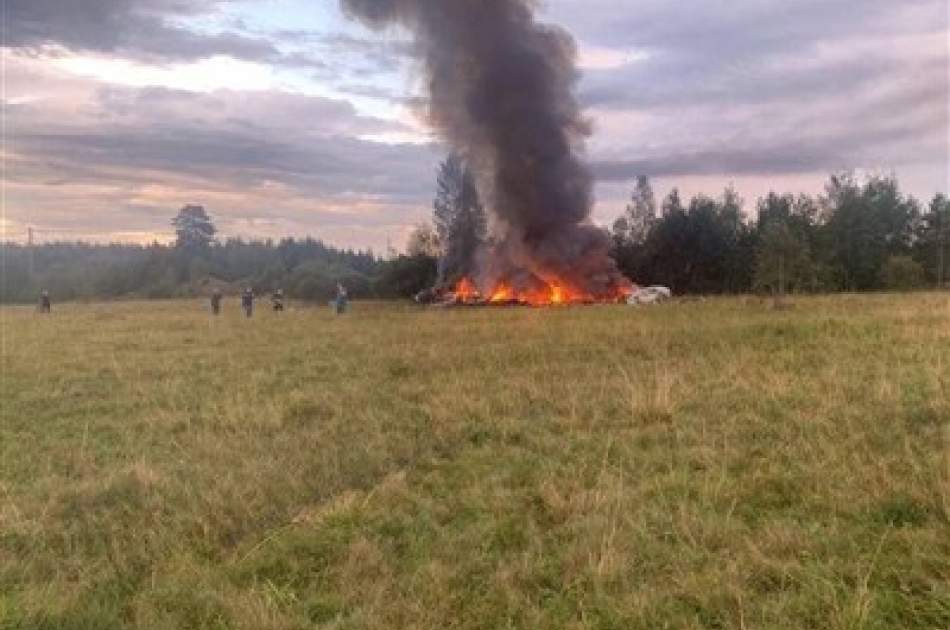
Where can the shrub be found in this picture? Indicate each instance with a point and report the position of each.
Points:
(901, 273)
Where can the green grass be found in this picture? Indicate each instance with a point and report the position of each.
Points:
(712, 464)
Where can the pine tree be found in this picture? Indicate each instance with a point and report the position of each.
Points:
(194, 229)
(459, 217)
(640, 215)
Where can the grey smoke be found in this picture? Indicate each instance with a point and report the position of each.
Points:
(501, 94)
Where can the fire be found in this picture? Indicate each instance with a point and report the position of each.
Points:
(465, 291)
(548, 293)
(502, 293)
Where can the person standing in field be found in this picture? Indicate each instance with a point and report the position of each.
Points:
(278, 300)
(247, 302)
(216, 302)
(45, 304)
(341, 298)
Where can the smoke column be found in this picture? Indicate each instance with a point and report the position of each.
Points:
(501, 94)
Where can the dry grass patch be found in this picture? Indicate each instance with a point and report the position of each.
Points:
(715, 464)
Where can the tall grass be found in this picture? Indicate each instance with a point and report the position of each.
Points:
(712, 464)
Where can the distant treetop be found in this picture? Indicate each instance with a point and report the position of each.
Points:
(193, 228)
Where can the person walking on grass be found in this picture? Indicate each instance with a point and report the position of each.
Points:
(278, 300)
(247, 302)
(216, 302)
(45, 305)
(341, 298)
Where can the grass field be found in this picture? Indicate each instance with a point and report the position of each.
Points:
(713, 464)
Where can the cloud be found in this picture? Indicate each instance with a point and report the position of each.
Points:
(759, 91)
(82, 153)
(896, 126)
(728, 31)
(765, 87)
(143, 30)
(355, 58)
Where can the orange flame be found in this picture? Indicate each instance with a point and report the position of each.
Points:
(502, 293)
(552, 293)
(465, 291)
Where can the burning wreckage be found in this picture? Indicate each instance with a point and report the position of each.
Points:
(539, 293)
(465, 293)
(501, 95)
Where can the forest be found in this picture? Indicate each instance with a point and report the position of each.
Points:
(858, 235)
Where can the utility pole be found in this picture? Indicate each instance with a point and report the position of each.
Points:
(29, 245)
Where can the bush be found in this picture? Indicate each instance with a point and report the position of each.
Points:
(902, 273)
(406, 276)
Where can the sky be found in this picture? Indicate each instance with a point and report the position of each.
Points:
(283, 118)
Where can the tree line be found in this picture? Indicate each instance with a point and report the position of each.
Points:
(194, 265)
(856, 236)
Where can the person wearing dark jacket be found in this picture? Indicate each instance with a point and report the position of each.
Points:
(247, 302)
(341, 298)
(45, 304)
(216, 302)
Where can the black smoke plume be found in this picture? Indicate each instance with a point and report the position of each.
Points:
(501, 94)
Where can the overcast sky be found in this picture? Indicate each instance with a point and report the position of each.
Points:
(283, 119)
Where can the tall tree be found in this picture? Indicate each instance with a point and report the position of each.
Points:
(194, 229)
(672, 204)
(700, 249)
(787, 243)
(739, 242)
(459, 216)
(632, 229)
(865, 225)
(933, 242)
(800, 214)
(641, 211)
(782, 259)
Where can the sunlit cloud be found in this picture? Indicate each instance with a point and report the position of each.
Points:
(205, 75)
(601, 58)
(283, 118)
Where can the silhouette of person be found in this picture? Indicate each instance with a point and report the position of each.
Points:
(247, 302)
